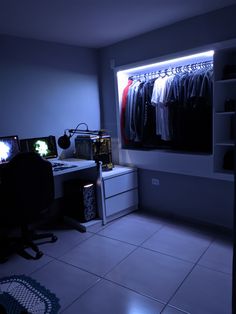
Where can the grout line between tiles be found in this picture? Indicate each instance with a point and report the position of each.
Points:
(188, 274)
(138, 245)
(215, 270)
(80, 268)
(165, 254)
(75, 300)
(71, 248)
(175, 308)
(42, 266)
(137, 292)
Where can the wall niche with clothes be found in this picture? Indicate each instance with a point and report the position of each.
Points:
(167, 105)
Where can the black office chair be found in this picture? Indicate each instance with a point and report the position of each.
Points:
(27, 190)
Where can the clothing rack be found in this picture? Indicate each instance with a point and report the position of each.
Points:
(175, 70)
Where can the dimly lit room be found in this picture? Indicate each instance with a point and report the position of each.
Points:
(117, 157)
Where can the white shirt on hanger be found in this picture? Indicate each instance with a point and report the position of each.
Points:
(159, 95)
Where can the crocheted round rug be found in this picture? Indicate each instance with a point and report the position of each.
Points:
(23, 294)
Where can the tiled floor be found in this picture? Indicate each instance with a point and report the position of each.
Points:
(137, 264)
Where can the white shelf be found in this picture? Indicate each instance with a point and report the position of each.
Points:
(226, 81)
(116, 171)
(226, 143)
(225, 113)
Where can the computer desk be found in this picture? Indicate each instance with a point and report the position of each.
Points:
(85, 170)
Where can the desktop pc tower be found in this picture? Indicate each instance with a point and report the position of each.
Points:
(96, 148)
(80, 200)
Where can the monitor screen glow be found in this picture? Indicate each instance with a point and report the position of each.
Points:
(44, 146)
(9, 147)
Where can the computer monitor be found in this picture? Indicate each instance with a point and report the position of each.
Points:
(45, 146)
(9, 147)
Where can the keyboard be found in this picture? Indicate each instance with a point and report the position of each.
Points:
(58, 166)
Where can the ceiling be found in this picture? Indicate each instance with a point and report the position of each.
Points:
(96, 23)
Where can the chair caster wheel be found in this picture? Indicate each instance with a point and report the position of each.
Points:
(38, 255)
(54, 239)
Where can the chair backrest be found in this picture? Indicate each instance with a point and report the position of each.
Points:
(28, 186)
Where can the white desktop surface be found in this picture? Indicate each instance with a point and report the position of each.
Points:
(80, 164)
(116, 171)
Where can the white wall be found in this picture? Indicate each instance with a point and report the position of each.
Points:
(46, 87)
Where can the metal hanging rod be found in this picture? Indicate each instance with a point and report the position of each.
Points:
(175, 70)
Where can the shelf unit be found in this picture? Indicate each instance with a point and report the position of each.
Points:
(224, 128)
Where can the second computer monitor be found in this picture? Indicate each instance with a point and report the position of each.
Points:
(45, 146)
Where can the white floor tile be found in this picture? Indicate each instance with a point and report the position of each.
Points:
(205, 291)
(219, 256)
(66, 240)
(133, 230)
(66, 281)
(172, 310)
(108, 298)
(98, 254)
(179, 242)
(139, 280)
(151, 273)
(17, 265)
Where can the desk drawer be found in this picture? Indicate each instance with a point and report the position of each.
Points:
(121, 202)
(120, 184)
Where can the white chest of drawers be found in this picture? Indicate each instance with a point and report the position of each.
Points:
(120, 189)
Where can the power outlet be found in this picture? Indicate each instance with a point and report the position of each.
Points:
(155, 181)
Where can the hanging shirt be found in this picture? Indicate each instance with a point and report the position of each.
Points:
(206, 86)
(138, 112)
(148, 119)
(159, 89)
(123, 107)
(159, 99)
(130, 111)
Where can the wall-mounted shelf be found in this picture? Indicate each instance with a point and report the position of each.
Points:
(226, 81)
(224, 121)
(229, 143)
(225, 113)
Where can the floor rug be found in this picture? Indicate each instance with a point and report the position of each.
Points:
(23, 294)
